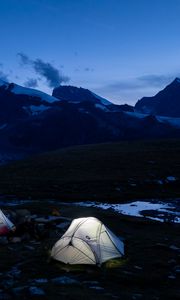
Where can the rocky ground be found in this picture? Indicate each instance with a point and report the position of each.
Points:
(150, 269)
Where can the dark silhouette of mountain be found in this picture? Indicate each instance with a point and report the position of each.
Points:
(164, 103)
(34, 122)
(76, 95)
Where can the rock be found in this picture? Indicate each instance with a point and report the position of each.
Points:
(29, 247)
(98, 288)
(177, 269)
(90, 282)
(137, 267)
(18, 291)
(137, 296)
(159, 181)
(173, 247)
(62, 225)
(64, 280)
(133, 184)
(171, 178)
(22, 215)
(172, 276)
(171, 261)
(14, 273)
(3, 240)
(36, 291)
(7, 283)
(47, 219)
(41, 280)
(16, 239)
(23, 212)
(4, 296)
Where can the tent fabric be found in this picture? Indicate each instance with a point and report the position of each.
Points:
(87, 241)
(5, 224)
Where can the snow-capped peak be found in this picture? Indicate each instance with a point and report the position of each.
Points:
(20, 90)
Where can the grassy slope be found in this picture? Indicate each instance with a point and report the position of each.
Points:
(103, 172)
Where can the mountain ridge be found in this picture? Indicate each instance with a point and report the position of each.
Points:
(34, 122)
(165, 103)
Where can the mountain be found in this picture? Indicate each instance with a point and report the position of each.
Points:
(34, 122)
(164, 103)
(76, 95)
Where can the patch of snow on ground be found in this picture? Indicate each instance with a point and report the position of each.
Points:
(136, 208)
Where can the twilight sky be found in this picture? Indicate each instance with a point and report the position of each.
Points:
(120, 49)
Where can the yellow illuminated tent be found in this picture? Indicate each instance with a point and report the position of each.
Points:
(87, 241)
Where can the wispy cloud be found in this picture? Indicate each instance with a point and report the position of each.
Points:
(24, 59)
(156, 80)
(45, 70)
(131, 89)
(141, 82)
(31, 83)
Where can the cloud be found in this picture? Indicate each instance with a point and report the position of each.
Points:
(3, 76)
(87, 69)
(50, 73)
(142, 82)
(156, 80)
(31, 83)
(131, 89)
(45, 70)
(24, 59)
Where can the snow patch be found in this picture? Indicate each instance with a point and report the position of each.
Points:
(20, 90)
(103, 100)
(102, 107)
(82, 110)
(171, 121)
(175, 122)
(136, 209)
(136, 114)
(35, 110)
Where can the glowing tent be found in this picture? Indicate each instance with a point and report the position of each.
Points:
(5, 224)
(87, 241)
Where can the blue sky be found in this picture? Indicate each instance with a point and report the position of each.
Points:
(121, 49)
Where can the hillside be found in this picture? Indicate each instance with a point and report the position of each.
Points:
(106, 172)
